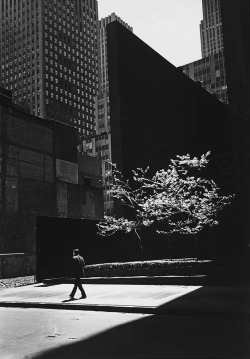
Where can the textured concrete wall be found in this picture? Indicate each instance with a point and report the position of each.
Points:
(16, 265)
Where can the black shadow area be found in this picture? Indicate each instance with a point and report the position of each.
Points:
(204, 335)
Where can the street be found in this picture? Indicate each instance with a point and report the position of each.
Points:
(51, 334)
(194, 322)
(25, 332)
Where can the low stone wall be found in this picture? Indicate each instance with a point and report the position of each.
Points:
(16, 265)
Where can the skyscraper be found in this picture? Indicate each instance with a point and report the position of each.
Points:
(210, 69)
(211, 28)
(100, 144)
(49, 58)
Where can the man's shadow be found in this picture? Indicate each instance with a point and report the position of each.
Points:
(70, 300)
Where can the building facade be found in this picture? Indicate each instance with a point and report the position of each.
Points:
(210, 69)
(49, 58)
(41, 174)
(210, 72)
(211, 28)
(100, 144)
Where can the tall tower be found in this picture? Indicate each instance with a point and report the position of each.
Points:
(49, 58)
(210, 69)
(100, 144)
(211, 28)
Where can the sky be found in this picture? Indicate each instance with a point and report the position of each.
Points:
(170, 27)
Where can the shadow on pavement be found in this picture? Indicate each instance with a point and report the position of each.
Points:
(167, 336)
(70, 300)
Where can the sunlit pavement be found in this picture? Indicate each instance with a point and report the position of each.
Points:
(130, 298)
(112, 322)
(26, 332)
(115, 296)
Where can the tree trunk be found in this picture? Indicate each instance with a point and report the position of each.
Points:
(170, 249)
(196, 246)
(140, 244)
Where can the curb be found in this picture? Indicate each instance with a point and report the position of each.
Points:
(127, 309)
(155, 280)
(139, 280)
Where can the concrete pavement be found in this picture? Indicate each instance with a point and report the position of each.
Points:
(66, 334)
(117, 321)
(152, 299)
(25, 333)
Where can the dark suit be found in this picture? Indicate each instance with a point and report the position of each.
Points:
(78, 265)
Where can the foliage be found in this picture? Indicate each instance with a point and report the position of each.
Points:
(151, 264)
(177, 198)
(184, 201)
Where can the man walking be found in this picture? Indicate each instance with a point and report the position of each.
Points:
(78, 265)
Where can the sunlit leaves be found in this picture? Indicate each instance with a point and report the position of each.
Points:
(177, 198)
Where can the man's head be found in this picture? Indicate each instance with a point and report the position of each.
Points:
(75, 252)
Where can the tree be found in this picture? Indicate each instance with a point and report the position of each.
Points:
(177, 198)
(132, 198)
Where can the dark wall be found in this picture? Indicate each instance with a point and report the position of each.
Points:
(27, 177)
(56, 239)
(158, 112)
(65, 142)
(235, 26)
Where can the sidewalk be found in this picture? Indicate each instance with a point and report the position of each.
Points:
(133, 298)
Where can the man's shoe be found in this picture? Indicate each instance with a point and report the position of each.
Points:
(83, 296)
(71, 296)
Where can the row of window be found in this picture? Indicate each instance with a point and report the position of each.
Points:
(92, 33)
(70, 51)
(66, 16)
(62, 5)
(73, 81)
(53, 55)
(68, 92)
